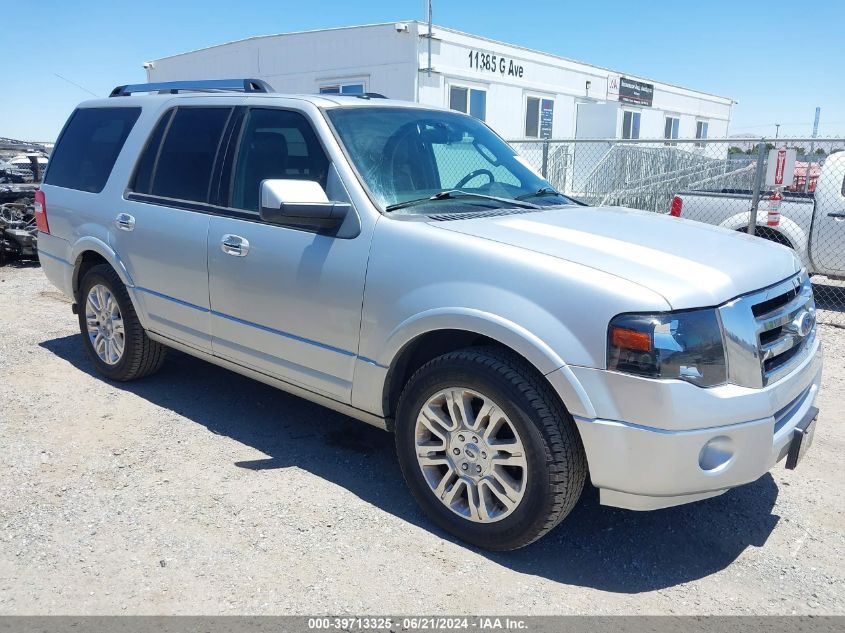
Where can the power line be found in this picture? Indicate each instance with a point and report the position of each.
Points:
(93, 94)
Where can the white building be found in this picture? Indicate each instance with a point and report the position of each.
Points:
(519, 92)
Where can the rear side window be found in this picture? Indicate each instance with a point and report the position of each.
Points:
(88, 147)
(179, 158)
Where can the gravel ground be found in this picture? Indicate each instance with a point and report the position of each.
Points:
(197, 491)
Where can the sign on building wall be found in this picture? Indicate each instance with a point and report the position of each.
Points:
(635, 92)
(547, 111)
(613, 87)
(493, 63)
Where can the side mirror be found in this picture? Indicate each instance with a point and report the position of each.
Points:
(299, 203)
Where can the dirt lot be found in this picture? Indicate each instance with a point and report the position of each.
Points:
(197, 491)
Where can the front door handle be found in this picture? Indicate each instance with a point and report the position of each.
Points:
(234, 245)
(838, 216)
(125, 222)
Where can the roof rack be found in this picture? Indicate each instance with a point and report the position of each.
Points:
(204, 85)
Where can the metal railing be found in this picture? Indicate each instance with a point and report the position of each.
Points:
(721, 182)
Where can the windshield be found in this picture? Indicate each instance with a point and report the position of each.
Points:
(410, 154)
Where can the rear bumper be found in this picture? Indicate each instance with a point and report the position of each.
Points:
(52, 254)
(643, 467)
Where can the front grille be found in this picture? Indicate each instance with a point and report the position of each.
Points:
(770, 305)
(779, 338)
(768, 332)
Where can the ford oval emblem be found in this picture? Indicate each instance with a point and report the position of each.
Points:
(803, 323)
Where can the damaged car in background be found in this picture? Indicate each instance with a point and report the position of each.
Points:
(22, 165)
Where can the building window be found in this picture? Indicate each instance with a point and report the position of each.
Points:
(630, 124)
(539, 117)
(670, 129)
(701, 131)
(532, 117)
(470, 101)
(356, 88)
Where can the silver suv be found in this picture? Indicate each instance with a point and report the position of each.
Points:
(404, 266)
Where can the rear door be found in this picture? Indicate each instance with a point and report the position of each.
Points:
(160, 230)
(289, 303)
(828, 242)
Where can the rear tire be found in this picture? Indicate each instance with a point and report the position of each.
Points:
(459, 459)
(112, 335)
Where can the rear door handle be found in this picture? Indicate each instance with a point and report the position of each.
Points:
(838, 216)
(125, 222)
(234, 245)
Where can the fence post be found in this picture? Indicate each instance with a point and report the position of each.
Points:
(758, 185)
(545, 169)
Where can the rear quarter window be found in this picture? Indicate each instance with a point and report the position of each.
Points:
(179, 158)
(88, 148)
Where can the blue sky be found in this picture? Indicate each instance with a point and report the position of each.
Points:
(779, 60)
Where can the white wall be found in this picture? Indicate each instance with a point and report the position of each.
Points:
(563, 80)
(389, 62)
(301, 62)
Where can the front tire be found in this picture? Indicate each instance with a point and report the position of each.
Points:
(112, 335)
(487, 449)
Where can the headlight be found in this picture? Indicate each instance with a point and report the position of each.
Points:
(682, 345)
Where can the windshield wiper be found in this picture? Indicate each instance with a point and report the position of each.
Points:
(542, 191)
(453, 194)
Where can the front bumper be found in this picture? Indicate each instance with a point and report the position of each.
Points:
(674, 456)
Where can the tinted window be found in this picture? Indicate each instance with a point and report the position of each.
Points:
(345, 89)
(478, 104)
(458, 99)
(183, 169)
(468, 100)
(275, 144)
(144, 173)
(532, 117)
(630, 124)
(88, 147)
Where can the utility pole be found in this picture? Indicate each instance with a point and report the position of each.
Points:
(777, 131)
(812, 149)
(429, 38)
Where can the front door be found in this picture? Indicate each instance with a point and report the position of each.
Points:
(284, 301)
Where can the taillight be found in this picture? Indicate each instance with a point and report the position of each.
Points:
(677, 206)
(41, 212)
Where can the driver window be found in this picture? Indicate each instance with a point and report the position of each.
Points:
(275, 144)
(457, 160)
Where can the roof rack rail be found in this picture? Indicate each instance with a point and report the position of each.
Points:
(203, 85)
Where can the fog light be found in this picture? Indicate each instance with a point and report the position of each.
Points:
(716, 453)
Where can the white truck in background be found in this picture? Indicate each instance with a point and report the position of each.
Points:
(813, 224)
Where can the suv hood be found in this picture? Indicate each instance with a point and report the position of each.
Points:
(690, 263)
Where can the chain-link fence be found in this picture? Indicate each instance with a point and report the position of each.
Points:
(722, 182)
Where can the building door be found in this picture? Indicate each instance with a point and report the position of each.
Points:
(592, 121)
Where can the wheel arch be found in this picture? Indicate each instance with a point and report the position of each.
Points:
(90, 251)
(439, 332)
(788, 233)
